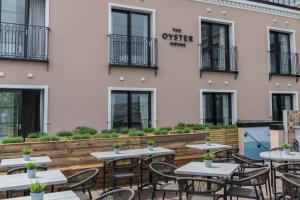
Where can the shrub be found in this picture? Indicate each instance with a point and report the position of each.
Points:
(179, 131)
(125, 131)
(36, 135)
(211, 126)
(49, 138)
(229, 126)
(12, 140)
(209, 156)
(37, 187)
(181, 124)
(109, 131)
(31, 165)
(81, 137)
(117, 146)
(86, 130)
(190, 125)
(27, 150)
(148, 130)
(115, 135)
(64, 134)
(198, 127)
(161, 132)
(136, 133)
(286, 146)
(105, 135)
(187, 130)
(166, 128)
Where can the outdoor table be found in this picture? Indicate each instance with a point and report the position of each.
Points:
(22, 182)
(205, 147)
(278, 156)
(20, 162)
(131, 153)
(67, 195)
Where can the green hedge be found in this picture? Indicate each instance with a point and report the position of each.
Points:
(12, 140)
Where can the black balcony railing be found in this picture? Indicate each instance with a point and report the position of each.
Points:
(219, 59)
(132, 51)
(283, 63)
(293, 4)
(23, 42)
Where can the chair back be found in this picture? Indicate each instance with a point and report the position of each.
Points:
(246, 162)
(162, 171)
(120, 194)
(291, 168)
(199, 186)
(83, 180)
(256, 177)
(167, 158)
(225, 154)
(123, 165)
(21, 170)
(291, 186)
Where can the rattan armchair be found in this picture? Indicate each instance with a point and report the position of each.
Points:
(165, 182)
(225, 155)
(200, 188)
(120, 194)
(82, 181)
(291, 186)
(242, 187)
(247, 163)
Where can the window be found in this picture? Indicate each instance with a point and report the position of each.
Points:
(131, 110)
(130, 42)
(215, 46)
(217, 108)
(22, 32)
(280, 53)
(281, 102)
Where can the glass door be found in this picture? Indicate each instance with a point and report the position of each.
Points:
(10, 112)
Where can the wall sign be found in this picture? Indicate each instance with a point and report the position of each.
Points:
(177, 39)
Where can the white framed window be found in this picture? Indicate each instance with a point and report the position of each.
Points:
(282, 100)
(217, 44)
(209, 109)
(131, 108)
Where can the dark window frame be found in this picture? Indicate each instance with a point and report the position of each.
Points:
(280, 104)
(214, 108)
(210, 44)
(129, 106)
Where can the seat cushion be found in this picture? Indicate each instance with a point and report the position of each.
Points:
(168, 187)
(242, 192)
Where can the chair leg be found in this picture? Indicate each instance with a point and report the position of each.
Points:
(256, 192)
(261, 193)
(164, 195)
(270, 189)
(141, 176)
(130, 183)
(90, 194)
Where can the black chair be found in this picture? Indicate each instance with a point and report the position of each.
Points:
(119, 194)
(200, 188)
(82, 181)
(145, 162)
(225, 155)
(163, 181)
(242, 187)
(247, 163)
(291, 186)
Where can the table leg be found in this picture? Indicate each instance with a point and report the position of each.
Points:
(104, 175)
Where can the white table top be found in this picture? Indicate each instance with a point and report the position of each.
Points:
(67, 195)
(205, 147)
(20, 162)
(131, 153)
(22, 182)
(199, 169)
(280, 156)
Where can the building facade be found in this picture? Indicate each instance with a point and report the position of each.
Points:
(145, 63)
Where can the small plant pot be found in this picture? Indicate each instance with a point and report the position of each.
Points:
(150, 147)
(116, 151)
(286, 151)
(207, 163)
(31, 173)
(37, 196)
(26, 157)
(208, 143)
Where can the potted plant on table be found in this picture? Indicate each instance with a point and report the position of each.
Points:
(208, 158)
(37, 191)
(286, 148)
(150, 144)
(31, 169)
(117, 148)
(207, 140)
(26, 153)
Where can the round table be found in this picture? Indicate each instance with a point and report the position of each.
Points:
(278, 156)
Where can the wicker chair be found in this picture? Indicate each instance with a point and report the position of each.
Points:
(21, 170)
(247, 163)
(167, 158)
(165, 178)
(291, 186)
(225, 155)
(120, 194)
(82, 181)
(200, 188)
(242, 187)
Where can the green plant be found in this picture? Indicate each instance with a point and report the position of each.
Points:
(187, 130)
(12, 140)
(229, 126)
(209, 156)
(117, 146)
(166, 128)
(161, 132)
(64, 134)
(181, 124)
(27, 150)
(81, 137)
(207, 139)
(115, 135)
(136, 133)
(31, 166)
(151, 142)
(179, 131)
(36, 134)
(85, 130)
(105, 135)
(109, 131)
(125, 131)
(286, 146)
(198, 127)
(37, 187)
(148, 130)
(49, 138)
